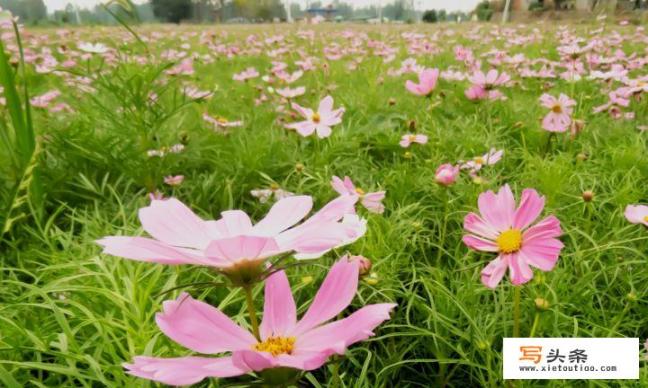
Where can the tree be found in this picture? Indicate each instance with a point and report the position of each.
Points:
(484, 11)
(442, 15)
(36, 10)
(173, 11)
(430, 16)
(395, 10)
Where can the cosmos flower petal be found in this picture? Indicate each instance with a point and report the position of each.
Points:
(279, 311)
(200, 327)
(493, 273)
(284, 214)
(335, 294)
(182, 370)
(531, 206)
(172, 222)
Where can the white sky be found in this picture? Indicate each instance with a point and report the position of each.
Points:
(450, 5)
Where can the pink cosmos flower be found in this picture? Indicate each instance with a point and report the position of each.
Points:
(637, 214)
(446, 174)
(284, 342)
(408, 139)
(174, 180)
(320, 121)
(371, 201)
(559, 118)
(221, 123)
(273, 191)
(484, 85)
(232, 242)
(291, 93)
(93, 48)
(44, 99)
(246, 74)
(503, 229)
(185, 67)
(488, 159)
(197, 94)
(427, 82)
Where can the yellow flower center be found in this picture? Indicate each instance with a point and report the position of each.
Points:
(509, 241)
(276, 345)
(360, 191)
(556, 108)
(316, 117)
(479, 160)
(222, 120)
(274, 186)
(412, 138)
(646, 218)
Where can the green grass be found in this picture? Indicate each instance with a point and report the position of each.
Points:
(70, 316)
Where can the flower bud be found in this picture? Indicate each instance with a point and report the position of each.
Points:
(541, 304)
(372, 279)
(581, 157)
(588, 196)
(631, 297)
(446, 174)
(407, 155)
(483, 345)
(391, 101)
(299, 167)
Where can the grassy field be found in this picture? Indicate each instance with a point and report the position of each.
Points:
(70, 315)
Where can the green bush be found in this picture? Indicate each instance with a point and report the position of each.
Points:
(484, 11)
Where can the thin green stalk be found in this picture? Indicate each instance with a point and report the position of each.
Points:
(252, 312)
(536, 321)
(516, 310)
(548, 145)
(335, 371)
(444, 226)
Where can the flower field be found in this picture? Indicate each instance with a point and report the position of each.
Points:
(317, 205)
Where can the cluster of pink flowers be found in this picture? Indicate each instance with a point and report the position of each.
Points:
(242, 251)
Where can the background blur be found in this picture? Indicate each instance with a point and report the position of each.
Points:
(59, 12)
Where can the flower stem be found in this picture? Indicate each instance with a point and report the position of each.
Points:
(252, 312)
(335, 371)
(444, 226)
(536, 320)
(548, 145)
(516, 311)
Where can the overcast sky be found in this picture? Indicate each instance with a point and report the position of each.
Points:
(450, 5)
